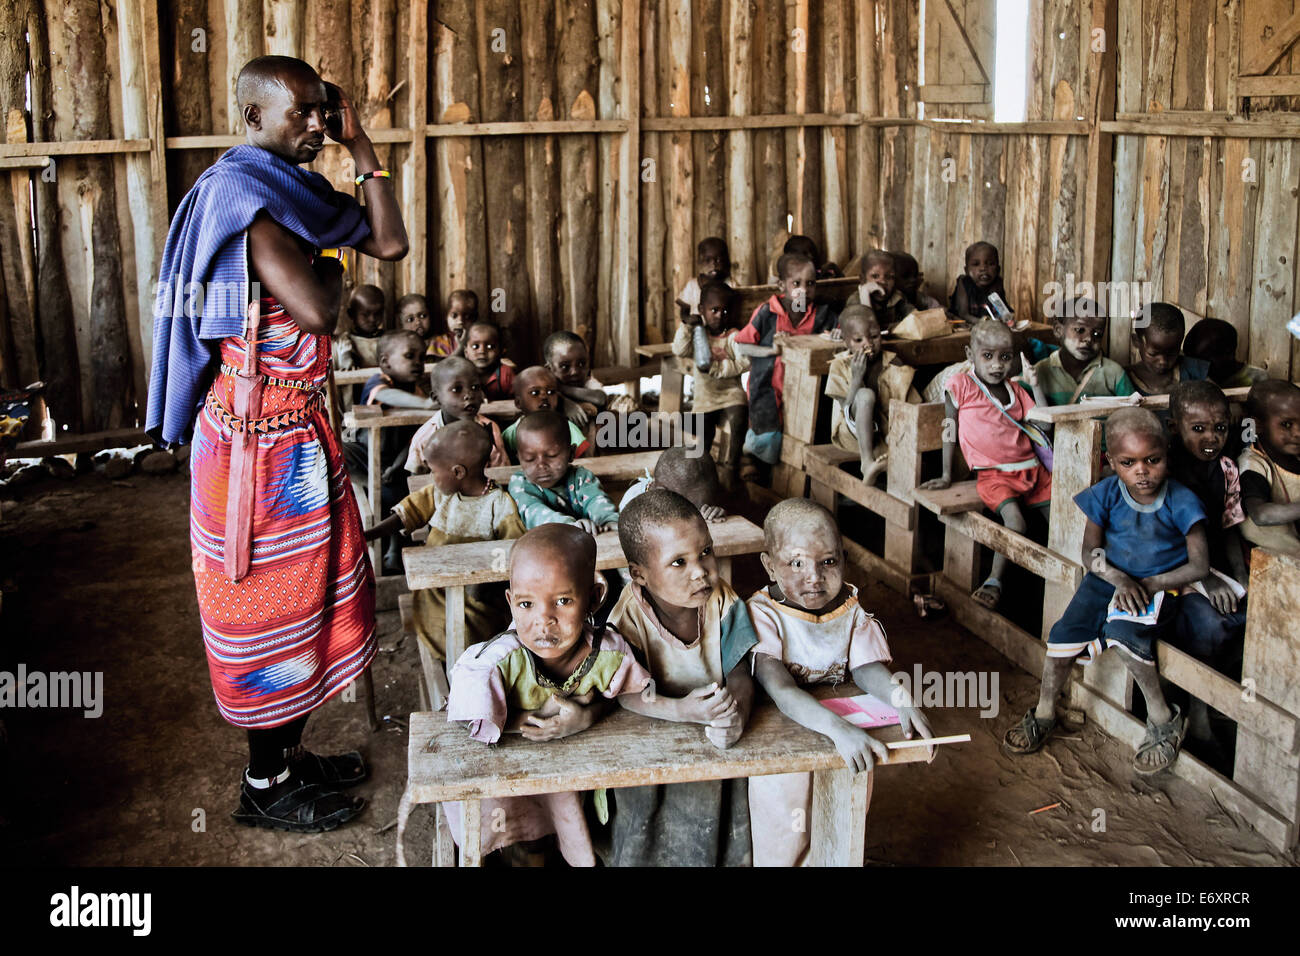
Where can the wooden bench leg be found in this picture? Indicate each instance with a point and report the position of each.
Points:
(672, 385)
(471, 850)
(455, 611)
(838, 827)
(375, 493)
(403, 814)
(368, 682)
(724, 569)
(444, 847)
(823, 494)
(961, 559)
(433, 680)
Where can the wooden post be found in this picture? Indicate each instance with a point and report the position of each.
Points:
(659, 317)
(541, 165)
(680, 196)
(609, 150)
(912, 429)
(835, 26)
(576, 78)
(501, 96)
(746, 269)
(838, 828)
(244, 40)
(771, 203)
(190, 104)
(375, 46)
(708, 97)
(627, 300)
(414, 183)
(867, 230)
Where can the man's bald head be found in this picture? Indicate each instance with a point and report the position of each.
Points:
(264, 78)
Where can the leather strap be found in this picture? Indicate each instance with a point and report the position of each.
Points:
(243, 456)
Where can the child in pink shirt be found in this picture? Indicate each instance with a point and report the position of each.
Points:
(986, 410)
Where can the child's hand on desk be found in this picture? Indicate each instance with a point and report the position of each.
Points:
(1219, 593)
(575, 413)
(1028, 374)
(708, 704)
(570, 716)
(779, 340)
(609, 526)
(587, 525)
(859, 749)
(712, 513)
(936, 484)
(910, 719)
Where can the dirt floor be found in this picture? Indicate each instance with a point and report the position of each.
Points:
(96, 578)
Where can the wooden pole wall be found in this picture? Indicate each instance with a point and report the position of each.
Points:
(572, 155)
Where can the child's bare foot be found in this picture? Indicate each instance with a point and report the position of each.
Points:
(989, 593)
(1159, 749)
(872, 471)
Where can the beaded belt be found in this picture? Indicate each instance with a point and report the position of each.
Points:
(272, 380)
(294, 416)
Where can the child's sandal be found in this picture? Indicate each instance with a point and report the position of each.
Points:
(1034, 731)
(992, 591)
(1164, 741)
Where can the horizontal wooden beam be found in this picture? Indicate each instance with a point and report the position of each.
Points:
(667, 124)
(1026, 553)
(1238, 129)
(526, 128)
(85, 147)
(1288, 84)
(1052, 414)
(225, 141)
(979, 128)
(894, 510)
(25, 162)
(953, 93)
(76, 444)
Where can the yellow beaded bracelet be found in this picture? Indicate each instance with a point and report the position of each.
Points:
(374, 174)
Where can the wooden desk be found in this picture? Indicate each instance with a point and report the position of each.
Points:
(628, 750)
(627, 467)
(455, 566)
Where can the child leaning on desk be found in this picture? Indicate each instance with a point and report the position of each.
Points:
(551, 675)
(812, 630)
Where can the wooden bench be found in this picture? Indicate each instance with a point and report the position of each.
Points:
(626, 750)
(453, 567)
(627, 467)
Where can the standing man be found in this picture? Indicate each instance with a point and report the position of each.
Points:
(249, 294)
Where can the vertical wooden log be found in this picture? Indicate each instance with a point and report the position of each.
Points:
(627, 303)
(54, 316)
(1273, 291)
(836, 24)
(244, 40)
(746, 268)
(501, 93)
(1099, 168)
(462, 255)
(88, 213)
(576, 68)
(708, 98)
(138, 40)
(654, 289)
(284, 24)
(772, 204)
(189, 105)
(609, 157)
(19, 352)
(414, 183)
(1128, 159)
(680, 240)
(542, 166)
(802, 145)
(866, 233)
(373, 68)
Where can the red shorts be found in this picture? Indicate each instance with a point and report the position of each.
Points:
(1033, 486)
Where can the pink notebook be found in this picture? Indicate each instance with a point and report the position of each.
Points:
(862, 711)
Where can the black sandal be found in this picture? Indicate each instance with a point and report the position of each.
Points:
(307, 808)
(1036, 733)
(338, 771)
(1165, 740)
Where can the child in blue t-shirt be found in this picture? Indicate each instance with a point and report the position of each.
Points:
(1145, 535)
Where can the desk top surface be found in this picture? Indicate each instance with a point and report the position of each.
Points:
(624, 467)
(622, 750)
(394, 417)
(480, 562)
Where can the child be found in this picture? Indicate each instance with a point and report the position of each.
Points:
(804, 246)
(719, 396)
(413, 315)
(812, 630)
(1161, 365)
(565, 354)
(693, 634)
(359, 347)
(1153, 534)
(549, 488)
(1212, 619)
(538, 390)
(688, 473)
(878, 293)
(460, 504)
(908, 279)
(1215, 341)
(863, 381)
(482, 346)
(1078, 367)
(793, 310)
(988, 410)
(459, 395)
(462, 310)
(551, 675)
(714, 264)
(1270, 468)
(983, 277)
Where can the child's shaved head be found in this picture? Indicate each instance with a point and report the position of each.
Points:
(534, 373)
(548, 423)
(462, 442)
(1202, 393)
(1164, 318)
(877, 257)
(390, 342)
(791, 261)
(802, 246)
(694, 478)
(466, 297)
(796, 513)
(905, 265)
(563, 546)
(1264, 395)
(445, 369)
(1211, 339)
(992, 333)
(715, 290)
(366, 296)
(560, 340)
(654, 508)
(977, 247)
(1134, 421)
(855, 316)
